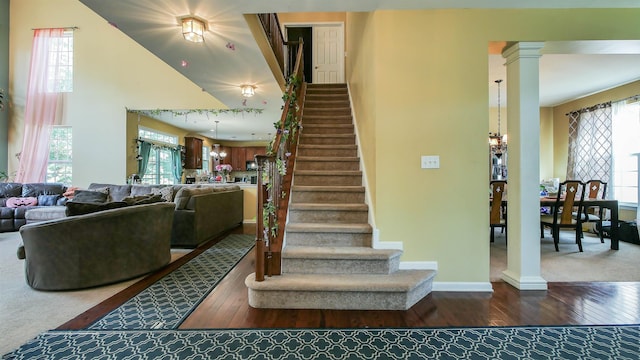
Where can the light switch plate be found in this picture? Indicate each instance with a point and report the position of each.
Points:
(430, 161)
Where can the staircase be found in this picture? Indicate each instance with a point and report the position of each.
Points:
(328, 261)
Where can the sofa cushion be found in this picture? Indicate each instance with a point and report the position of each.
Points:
(139, 190)
(35, 189)
(9, 189)
(116, 192)
(184, 195)
(165, 192)
(142, 199)
(90, 196)
(48, 200)
(14, 202)
(80, 208)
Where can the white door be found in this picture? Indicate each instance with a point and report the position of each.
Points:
(328, 54)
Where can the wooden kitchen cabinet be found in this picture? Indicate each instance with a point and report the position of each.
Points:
(193, 156)
(238, 158)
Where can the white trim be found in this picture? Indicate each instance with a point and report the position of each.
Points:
(524, 282)
(462, 286)
(419, 265)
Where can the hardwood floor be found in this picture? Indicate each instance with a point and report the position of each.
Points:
(562, 304)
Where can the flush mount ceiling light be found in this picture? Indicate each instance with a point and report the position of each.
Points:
(248, 90)
(193, 29)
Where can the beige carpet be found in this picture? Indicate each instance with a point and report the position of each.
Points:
(597, 263)
(25, 313)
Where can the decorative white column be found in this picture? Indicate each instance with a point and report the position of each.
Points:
(523, 164)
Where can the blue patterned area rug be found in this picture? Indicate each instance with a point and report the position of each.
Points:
(167, 302)
(566, 342)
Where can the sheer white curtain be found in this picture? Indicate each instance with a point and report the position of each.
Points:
(41, 109)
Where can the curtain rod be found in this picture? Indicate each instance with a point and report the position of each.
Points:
(66, 28)
(601, 105)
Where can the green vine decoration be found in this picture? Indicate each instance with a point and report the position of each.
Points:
(215, 112)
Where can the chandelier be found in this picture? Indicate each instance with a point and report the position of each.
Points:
(497, 141)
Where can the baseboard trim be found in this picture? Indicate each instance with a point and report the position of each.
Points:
(462, 286)
(524, 282)
(418, 265)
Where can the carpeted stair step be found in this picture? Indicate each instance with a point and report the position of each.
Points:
(313, 97)
(317, 234)
(328, 178)
(325, 163)
(333, 213)
(335, 111)
(397, 291)
(328, 129)
(327, 139)
(326, 119)
(313, 103)
(328, 150)
(339, 260)
(328, 194)
(327, 88)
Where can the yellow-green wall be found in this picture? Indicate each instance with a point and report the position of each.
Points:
(419, 83)
(112, 73)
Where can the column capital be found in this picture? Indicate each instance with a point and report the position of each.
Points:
(523, 50)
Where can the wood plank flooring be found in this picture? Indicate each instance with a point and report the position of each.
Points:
(562, 304)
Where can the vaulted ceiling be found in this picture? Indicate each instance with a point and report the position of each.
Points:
(230, 56)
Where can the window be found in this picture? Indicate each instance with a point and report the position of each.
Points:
(59, 165)
(60, 72)
(160, 165)
(205, 161)
(626, 142)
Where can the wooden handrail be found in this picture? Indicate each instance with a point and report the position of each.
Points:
(275, 172)
(271, 26)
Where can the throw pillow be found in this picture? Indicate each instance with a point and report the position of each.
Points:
(142, 199)
(165, 192)
(14, 202)
(89, 196)
(70, 191)
(48, 200)
(80, 208)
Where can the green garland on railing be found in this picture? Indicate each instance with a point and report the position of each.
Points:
(216, 112)
(291, 121)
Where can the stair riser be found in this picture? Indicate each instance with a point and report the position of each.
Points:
(326, 197)
(338, 266)
(327, 180)
(321, 130)
(338, 140)
(325, 104)
(328, 165)
(327, 112)
(327, 152)
(328, 216)
(328, 239)
(312, 98)
(336, 300)
(319, 119)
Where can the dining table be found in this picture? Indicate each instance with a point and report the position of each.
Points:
(610, 204)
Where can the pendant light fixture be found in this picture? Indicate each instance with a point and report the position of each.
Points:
(497, 141)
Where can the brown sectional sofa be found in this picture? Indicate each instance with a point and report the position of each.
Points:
(202, 211)
(99, 248)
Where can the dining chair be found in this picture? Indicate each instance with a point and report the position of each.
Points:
(570, 196)
(498, 214)
(594, 189)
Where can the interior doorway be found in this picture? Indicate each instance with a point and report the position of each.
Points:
(306, 33)
(324, 50)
